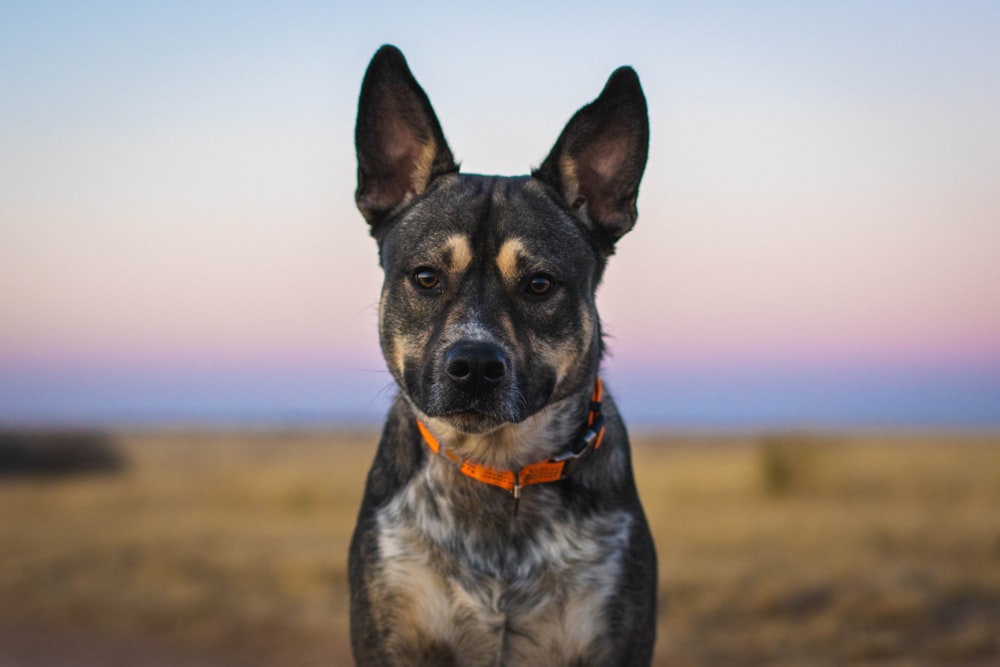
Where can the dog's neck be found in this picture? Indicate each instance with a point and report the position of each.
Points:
(512, 446)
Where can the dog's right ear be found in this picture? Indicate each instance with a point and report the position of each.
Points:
(401, 148)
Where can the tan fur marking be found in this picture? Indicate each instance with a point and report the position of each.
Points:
(399, 357)
(507, 258)
(461, 252)
(560, 357)
(570, 180)
(404, 348)
(422, 163)
(586, 332)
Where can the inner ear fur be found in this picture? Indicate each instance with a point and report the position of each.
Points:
(597, 163)
(400, 146)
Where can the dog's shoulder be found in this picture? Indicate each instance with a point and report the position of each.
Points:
(398, 457)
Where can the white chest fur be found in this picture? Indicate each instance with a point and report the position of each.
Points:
(497, 595)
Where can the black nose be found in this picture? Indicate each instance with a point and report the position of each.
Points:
(475, 367)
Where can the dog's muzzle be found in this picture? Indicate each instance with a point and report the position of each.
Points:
(474, 387)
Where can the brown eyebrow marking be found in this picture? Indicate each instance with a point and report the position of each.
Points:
(510, 251)
(460, 252)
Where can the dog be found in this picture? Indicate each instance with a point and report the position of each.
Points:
(500, 523)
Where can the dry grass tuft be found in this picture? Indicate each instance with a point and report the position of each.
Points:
(789, 463)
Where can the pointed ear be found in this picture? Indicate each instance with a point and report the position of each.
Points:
(401, 148)
(597, 163)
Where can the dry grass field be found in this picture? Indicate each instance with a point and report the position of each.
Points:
(225, 549)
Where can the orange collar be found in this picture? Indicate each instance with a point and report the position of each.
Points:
(550, 470)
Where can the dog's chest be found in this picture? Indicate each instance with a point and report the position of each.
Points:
(492, 595)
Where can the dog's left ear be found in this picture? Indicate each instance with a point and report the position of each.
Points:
(399, 141)
(597, 163)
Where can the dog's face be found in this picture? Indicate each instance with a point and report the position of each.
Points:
(487, 312)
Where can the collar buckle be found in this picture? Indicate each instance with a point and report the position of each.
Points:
(572, 454)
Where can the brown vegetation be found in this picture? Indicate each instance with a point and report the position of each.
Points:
(56, 453)
(217, 549)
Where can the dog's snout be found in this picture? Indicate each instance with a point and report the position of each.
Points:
(475, 367)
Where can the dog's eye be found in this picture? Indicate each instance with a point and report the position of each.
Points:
(540, 284)
(426, 278)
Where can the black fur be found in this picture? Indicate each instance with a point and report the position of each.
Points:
(489, 326)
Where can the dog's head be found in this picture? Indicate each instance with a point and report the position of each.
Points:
(487, 312)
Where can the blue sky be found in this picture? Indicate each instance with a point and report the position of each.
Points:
(816, 243)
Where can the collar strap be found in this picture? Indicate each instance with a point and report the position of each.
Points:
(551, 469)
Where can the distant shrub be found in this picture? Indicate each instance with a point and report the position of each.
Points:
(787, 463)
(57, 453)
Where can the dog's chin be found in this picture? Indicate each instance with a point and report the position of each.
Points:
(470, 415)
(471, 422)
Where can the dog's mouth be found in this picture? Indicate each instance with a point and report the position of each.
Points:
(463, 413)
(473, 422)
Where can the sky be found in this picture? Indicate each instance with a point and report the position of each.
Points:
(816, 247)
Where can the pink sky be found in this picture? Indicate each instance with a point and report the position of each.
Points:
(821, 192)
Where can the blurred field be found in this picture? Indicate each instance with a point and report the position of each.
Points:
(222, 549)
